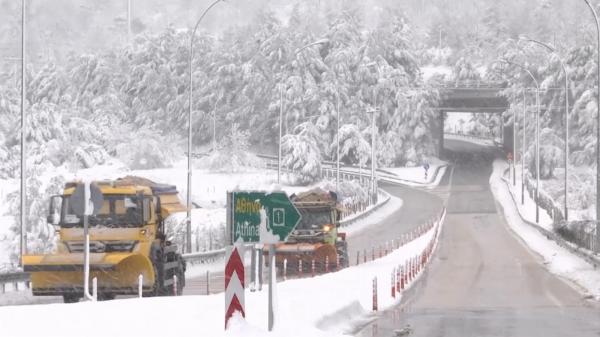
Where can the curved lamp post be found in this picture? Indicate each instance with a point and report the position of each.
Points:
(537, 135)
(188, 228)
(562, 63)
(597, 128)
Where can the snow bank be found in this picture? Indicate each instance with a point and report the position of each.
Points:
(527, 209)
(325, 305)
(557, 259)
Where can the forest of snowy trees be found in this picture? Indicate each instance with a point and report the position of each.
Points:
(93, 97)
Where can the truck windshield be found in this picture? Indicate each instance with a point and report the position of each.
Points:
(116, 211)
(314, 218)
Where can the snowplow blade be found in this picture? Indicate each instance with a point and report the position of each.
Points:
(306, 252)
(59, 274)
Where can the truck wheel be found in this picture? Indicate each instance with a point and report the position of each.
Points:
(70, 298)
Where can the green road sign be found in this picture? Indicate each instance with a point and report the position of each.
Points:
(260, 217)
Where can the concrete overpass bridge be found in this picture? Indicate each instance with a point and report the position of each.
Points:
(472, 96)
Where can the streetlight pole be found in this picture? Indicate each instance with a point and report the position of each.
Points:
(280, 132)
(597, 126)
(523, 151)
(188, 228)
(515, 126)
(537, 137)
(564, 69)
(337, 138)
(129, 21)
(374, 111)
(23, 241)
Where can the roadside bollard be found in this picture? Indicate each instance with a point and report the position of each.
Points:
(398, 279)
(140, 285)
(380, 251)
(174, 285)
(357, 257)
(94, 289)
(299, 267)
(373, 254)
(313, 268)
(208, 282)
(337, 262)
(327, 264)
(393, 284)
(375, 294)
(402, 277)
(284, 269)
(365, 256)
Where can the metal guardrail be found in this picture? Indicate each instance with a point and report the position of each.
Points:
(468, 136)
(13, 278)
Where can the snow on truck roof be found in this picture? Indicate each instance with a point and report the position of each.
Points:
(127, 185)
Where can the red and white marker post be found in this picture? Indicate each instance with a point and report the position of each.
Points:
(234, 282)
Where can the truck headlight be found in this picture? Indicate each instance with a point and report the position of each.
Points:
(326, 228)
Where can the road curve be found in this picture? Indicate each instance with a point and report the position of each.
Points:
(418, 207)
(483, 280)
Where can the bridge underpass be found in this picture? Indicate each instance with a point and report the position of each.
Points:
(475, 98)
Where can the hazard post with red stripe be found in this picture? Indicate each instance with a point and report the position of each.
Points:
(234, 282)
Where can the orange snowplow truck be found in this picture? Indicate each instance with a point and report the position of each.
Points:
(316, 237)
(127, 239)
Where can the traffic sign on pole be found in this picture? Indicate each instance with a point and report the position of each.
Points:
(234, 282)
(261, 217)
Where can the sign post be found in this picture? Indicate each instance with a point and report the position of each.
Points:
(86, 200)
(258, 217)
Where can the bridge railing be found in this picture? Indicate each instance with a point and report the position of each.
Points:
(473, 84)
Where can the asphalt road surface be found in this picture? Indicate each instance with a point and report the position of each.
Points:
(483, 280)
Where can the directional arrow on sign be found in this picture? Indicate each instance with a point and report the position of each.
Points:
(260, 217)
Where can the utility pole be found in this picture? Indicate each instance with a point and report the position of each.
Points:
(23, 241)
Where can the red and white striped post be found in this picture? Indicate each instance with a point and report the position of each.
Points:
(312, 268)
(284, 269)
(375, 294)
(327, 264)
(398, 279)
(234, 283)
(402, 277)
(393, 284)
(299, 267)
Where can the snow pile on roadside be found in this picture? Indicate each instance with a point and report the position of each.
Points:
(557, 259)
(527, 209)
(343, 297)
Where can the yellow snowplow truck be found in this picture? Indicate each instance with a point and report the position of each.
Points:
(127, 239)
(316, 238)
